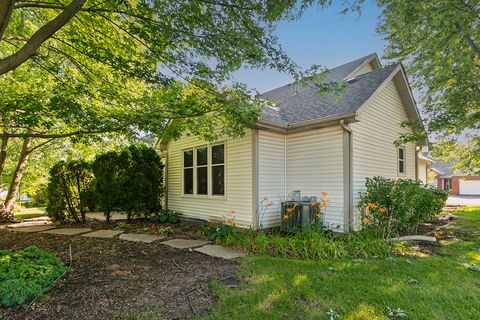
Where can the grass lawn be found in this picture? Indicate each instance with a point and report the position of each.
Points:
(431, 286)
(26, 213)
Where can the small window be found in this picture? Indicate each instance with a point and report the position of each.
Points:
(401, 160)
(188, 172)
(202, 170)
(218, 169)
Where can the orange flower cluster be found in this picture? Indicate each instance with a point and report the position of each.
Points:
(373, 205)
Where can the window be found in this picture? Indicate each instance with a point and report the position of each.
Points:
(204, 170)
(188, 172)
(218, 169)
(447, 184)
(401, 160)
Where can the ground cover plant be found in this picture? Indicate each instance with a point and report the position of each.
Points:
(434, 283)
(25, 274)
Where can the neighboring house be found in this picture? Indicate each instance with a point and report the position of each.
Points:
(456, 183)
(424, 165)
(305, 142)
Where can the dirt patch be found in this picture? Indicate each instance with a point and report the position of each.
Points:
(110, 277)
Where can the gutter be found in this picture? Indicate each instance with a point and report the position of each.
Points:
(347, 177)
(332, 120)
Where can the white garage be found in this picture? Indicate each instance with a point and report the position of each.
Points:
(469, 187)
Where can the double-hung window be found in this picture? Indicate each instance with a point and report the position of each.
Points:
(204, 170)
(401, 160)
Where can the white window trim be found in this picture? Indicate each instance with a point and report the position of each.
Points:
(209, 194)
(404, 173)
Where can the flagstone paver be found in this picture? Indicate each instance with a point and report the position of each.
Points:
(185, 243)
(106, 234)
(221, 252)
(68, 231)
(29, 224)
(32, 229)
(137, 237)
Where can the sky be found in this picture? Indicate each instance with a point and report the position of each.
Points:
(324, 37)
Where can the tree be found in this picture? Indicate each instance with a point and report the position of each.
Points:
(439, 42)
(90, 67)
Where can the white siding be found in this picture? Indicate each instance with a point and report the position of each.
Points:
(374, 153)
(315, 164)
(271, 176)
(422, 172)
(364, 69)
(238, 182)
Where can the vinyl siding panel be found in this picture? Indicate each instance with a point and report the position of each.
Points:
(315, 164)
(374, 152)
(364, 69)
(238, 182)
(271, 176)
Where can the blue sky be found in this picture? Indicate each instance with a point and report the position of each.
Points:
(324, 37)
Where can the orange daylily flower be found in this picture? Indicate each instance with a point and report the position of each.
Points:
(323, 193)
(285, 216)
(382, 209)
(366, 220)
(265, 198)
(270, 204)
(289, 210)
(318, 215)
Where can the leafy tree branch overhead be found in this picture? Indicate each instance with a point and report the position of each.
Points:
(439, 43)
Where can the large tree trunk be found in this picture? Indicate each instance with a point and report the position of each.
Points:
(6, 8)
(6, 213)
(3, 153)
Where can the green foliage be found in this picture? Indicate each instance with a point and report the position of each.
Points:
(392, 205)
(220, 231)
(26, 273)
(166, 216)
(310, 243)
(130, 180)
(69, 190)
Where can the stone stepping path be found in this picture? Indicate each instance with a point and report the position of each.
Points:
(104, 234)
(221, 252)
(138, 237)
(201, 246)
(68, 231)
(29, 224)
(185, 243)
(32, 229)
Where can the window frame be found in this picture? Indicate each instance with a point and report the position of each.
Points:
(217, 165)
(183, 172)
(404, 161)
(209, 171)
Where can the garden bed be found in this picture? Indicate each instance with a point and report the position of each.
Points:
(113, 279)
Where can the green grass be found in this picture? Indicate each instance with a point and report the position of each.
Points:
(26, 213)
(432, 286)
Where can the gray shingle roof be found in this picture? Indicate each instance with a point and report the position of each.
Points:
(295, 104)
(444, 168)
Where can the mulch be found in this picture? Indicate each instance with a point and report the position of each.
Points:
(110, 277)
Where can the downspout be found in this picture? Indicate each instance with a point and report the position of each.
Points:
(417, 151)
(255, 171)
(347, 177)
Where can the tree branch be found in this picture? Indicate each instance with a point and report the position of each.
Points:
(39, 37)
(469, 39)
(58, 135)
(6, 8)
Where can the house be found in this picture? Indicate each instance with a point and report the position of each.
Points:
(455, 182)
(305, 142)
(424, 166)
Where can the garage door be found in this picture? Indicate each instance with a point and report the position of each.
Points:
(470, 187)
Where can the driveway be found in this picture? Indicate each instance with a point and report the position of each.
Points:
(464, 200)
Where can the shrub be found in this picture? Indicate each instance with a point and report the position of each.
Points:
(25, 274)
(130, 179)
(389, 206)
(68, 190)
(166, 216)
